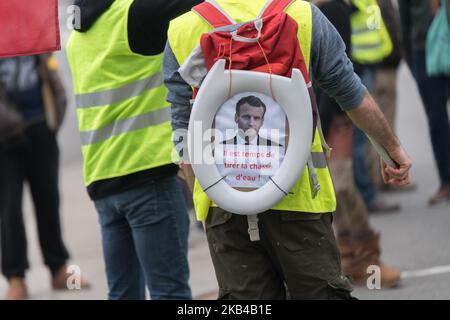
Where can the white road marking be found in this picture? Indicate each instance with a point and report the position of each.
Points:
(426, 272)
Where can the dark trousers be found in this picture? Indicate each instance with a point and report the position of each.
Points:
(435, 92)
(296, 257)
(32, 158)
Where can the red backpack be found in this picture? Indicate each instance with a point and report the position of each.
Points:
(267, 44)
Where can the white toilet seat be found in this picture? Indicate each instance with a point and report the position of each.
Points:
(293, 97)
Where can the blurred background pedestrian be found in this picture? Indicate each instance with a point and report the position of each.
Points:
(358, 242)
(416, 19)
(32, 86)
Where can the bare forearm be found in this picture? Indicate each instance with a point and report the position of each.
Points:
(370, 119)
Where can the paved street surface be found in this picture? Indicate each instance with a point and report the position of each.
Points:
(415, 239)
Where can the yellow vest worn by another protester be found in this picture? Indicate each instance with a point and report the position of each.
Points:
(370, 39)
(123, 116)
(182, 43)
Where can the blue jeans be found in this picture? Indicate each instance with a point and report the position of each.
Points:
(435, 92)
(359, 143)
(360, 171)
(145, 242)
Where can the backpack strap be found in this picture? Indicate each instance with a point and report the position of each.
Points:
(275, 6)
(213, 13)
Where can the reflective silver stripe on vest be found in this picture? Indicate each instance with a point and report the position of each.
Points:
(123, 126)
(364, 47)
(319, 160)
(358, 31)
(128, 91)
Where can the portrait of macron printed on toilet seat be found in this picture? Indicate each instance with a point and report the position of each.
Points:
(250, 139)
(215, 108)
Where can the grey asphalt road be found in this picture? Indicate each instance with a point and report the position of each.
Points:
(415, 239)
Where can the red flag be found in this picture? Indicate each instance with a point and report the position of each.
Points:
(28, 27)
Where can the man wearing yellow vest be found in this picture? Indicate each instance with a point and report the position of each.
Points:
(295, 255)
(371, 43)
(115, 57)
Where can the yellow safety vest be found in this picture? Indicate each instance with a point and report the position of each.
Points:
(123, 116)
(182, 43)
(370, 39)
